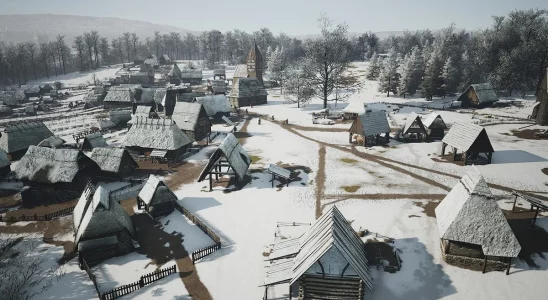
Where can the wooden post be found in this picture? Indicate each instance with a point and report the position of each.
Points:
(465, 155)
(350, 138)
(508, 267)
(515, 200)
(536, 214)
(454, 153)
(484, 265)
(443, 145)
(273, 179)
(489, 156)
(290, 292)
(210, 182)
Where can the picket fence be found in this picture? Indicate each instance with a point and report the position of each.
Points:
(143, 281)
(201, 253)
(60, 213)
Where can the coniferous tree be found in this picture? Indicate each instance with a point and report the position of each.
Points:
(374, 69)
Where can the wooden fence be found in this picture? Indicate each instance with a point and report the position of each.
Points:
(60, 213)
(84, 265)
(190, 152)
(121, 291)
(200, 253)
(142, 282)
(198, 223)
(157, 275)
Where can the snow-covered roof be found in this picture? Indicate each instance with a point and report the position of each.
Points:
(104, 124)
(94, 140)
(119, 95)
(470, 214)
(429, 120)
(52, 142)
(82, 205)
(465, 135)
(21, 136)
(156, 134)
(47, 165)
(354, 108)
(4, 161)
(143, 111)
(279, 271)
(191, 74)
(12, 98)
(374, 122)
(332, 230)
(34, 89)
(285, 248)
(236, 155)
(150, 95)
(247, 87)
(112, 159)
(241, 71)
(103, 217)
(485, 92)
(214, 104)
(175, 71)
(155, 191)
(186, 115)
(413, 120)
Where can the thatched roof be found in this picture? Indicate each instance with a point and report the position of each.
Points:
(102, 217)
(219, 86)
(120, 94)
(413, 121)
(175, 71)
(470, 214)
(21, 136)
(150, 95)
(47, 165)
(13, 98)
(94, 140)
(104, 124)
(191, 74)
(4, 161)
(373, 122)
(186, 115)
(155, 192)
(30, 109)
(247, 87)
(119, 116)
(161, 134)
(433, 118)
(232, 150)
(485, 92)
(52, 142)
(241, 71)
(112, 159)
(152, 60)
(214, 104)
(467, 136)
(34, 89)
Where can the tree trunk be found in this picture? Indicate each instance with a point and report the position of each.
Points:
(90, 59)
(325, 83)
(46, 67)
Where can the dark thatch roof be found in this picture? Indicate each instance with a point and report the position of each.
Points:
(94, 140)
(232, 150)
(120, 94)
(112, 159)
(214, 104)
(156, 134)
(21, 136)
(155, 192)
(466, 136)
(186, 115)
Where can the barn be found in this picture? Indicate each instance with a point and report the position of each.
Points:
(471, 140)
(472, 227)
(114, 162)
(16, 139)
(478, 95)
(435, 125)
(247, 92)
(119, 97)
(93, 140)
(4, 163)
(413, 129)
(102, 228)
(192, 119)
(230, 155)
(368, 127)
(161, 136)
(61, 174)
(156, 198)
(327, 262)
(215, 106)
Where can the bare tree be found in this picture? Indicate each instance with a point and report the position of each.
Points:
(327, 57)
(62, 52)
(299, 87)
(44, 56)
(94, 36)
(104, 49)
(126, 37)
(21, 59)
(31, 49)
(134, 41)
(80, 47)
(88, 39)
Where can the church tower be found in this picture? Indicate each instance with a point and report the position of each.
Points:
(255, 64)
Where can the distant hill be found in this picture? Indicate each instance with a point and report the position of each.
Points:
(44, 27)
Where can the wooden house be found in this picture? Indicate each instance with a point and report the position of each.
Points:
(152, 61)
(13, 98)
(156, 198)
(435, 126)
(162, 136)
(60, 174)
(52, 142)
(478, 95)
(164, 60)
(218, 87)
(255, 64)
(540, 110)
(103, 124)
(471, 140)
(247, 92)
(174, 75)
(119, 117)
(367, 128)
(33, 91)
(328, 262)
(4, 163)
(191, 76)
(215, 106)
(119, 97)
(239, 72)
(92, 141)
(413, 129)
(16, 139)
(192, 119)
(5, 111)
(219, 74)
(114, 162)
(472, 226)
(230, 155)
(102, 228)
(142, 78)
(148, 98)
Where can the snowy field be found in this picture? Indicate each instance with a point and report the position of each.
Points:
(380, 189)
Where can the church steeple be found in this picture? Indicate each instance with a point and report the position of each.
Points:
(255, 63)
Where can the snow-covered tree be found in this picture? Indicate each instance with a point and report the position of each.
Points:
(411, 71)
(278, 64)
(451, 76)
(432, 81)
(299, 87)
(374, 67)
(389, 77)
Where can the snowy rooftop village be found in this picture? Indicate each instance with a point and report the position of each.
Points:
(257, 165)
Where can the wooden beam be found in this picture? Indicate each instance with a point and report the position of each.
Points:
(484, 265)
(515, 200)
(536, 214)
(508, 267)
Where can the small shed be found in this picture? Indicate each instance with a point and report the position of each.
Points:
(16, 139)
(472, 225)
(103, 124)
(156, 198)
(368, 127)
(478, 95)
(435, 125)
(52, 142)
(471, 140)
(4, 163)
(102, 228)
(247, 92)
(119, 117)
(93, 140)
(193, 120)
(215, 106)
(114, 162)
(119, 97)
(413, 129)
(33, 91)
(219, 73)
(230, 155)
(148, 135)
(192, 76)
(353, 110)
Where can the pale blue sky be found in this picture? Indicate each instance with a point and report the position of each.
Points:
(290, 16)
